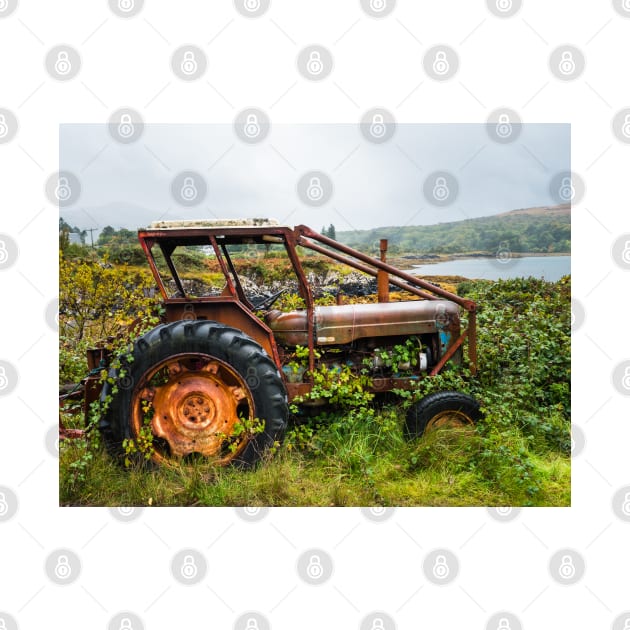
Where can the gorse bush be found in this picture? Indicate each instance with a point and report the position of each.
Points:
(524, 341)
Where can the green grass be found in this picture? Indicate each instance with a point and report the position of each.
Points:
(435, 470)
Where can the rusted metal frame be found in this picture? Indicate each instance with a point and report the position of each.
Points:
(144, 243)
(307, 295)
(303, 230)
(364, 268)
(202, 233)
(224, 269)
(237, 280)
(171, 265)
(382, 278)
(449, 353)
(472, 341)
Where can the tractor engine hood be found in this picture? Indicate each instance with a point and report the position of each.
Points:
(335, 325)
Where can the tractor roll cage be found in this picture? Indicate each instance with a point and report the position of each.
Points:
(219, 237)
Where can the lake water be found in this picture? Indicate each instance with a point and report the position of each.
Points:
(550, 268)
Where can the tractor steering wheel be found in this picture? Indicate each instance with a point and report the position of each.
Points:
(267, 302)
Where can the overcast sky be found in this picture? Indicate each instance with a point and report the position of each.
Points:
(129, 185)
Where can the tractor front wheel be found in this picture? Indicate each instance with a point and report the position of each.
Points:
(442, 409)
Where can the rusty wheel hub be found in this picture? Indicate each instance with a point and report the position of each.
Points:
(454, 419)
(196, 403)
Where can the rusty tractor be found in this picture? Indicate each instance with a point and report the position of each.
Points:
(225, 360)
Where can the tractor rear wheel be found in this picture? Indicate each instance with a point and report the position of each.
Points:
(196, 389)
(442, 409)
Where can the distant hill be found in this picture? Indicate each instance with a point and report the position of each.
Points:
(544, 229)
